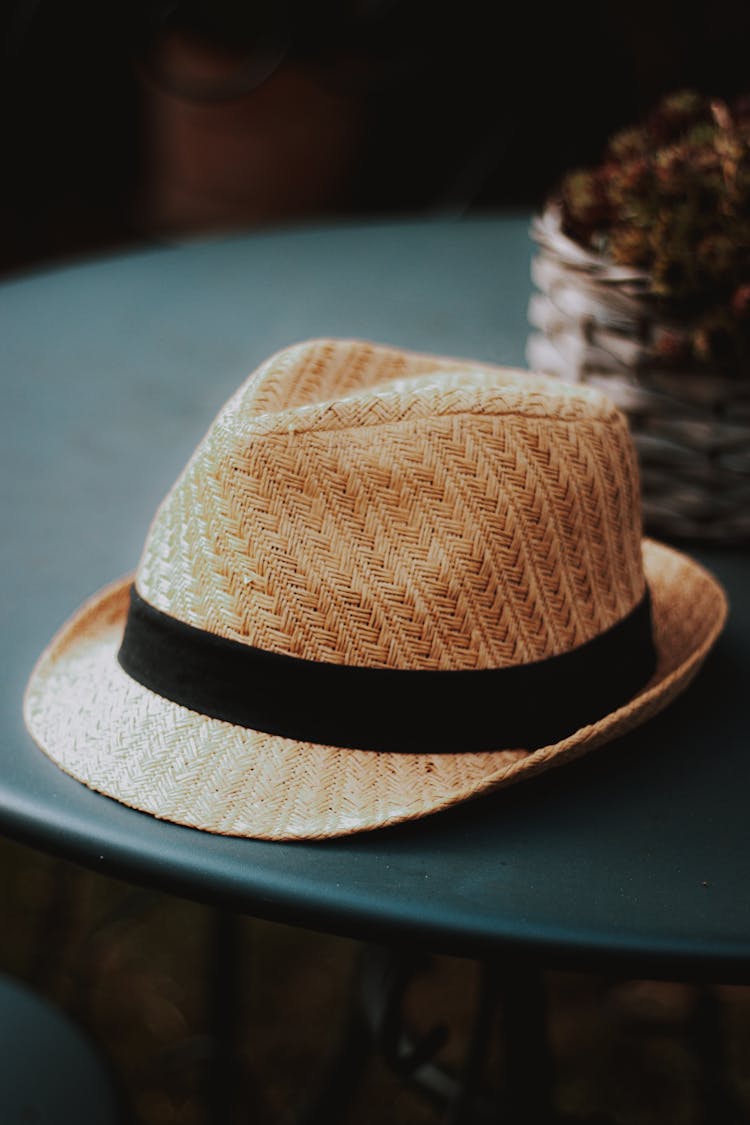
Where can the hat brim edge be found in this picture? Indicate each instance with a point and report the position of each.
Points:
(497, 769)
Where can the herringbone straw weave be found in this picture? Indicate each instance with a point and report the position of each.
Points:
(360, 505)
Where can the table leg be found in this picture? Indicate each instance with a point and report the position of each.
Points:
(527, 1096)
(716, 1100)
(520, 997)
(341, 1076)
(225, 979)
(461, 1105)
(385, 976)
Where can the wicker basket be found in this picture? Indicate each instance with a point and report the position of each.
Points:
(596, 324)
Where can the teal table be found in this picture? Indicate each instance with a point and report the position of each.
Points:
(636, 857)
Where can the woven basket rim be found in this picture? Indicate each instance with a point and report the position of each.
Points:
(547, 231)
(594, 325)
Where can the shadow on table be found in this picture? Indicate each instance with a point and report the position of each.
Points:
(643, 772)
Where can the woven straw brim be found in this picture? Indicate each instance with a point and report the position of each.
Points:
(123, 740)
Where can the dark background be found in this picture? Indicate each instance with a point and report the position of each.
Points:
(126, 122)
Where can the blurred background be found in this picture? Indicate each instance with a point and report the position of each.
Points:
(138, 971)
(156, 120)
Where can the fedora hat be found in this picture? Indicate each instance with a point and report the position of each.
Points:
(384, 583)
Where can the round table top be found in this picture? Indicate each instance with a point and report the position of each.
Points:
(112, 371)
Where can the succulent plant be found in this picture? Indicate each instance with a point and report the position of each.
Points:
(671, 197)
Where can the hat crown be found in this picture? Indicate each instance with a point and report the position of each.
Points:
(360, 505)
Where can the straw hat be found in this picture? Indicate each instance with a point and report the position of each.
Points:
(384, 583)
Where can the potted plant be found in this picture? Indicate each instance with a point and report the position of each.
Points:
(643, 277)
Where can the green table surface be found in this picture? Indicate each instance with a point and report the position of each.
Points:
(636, 856)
